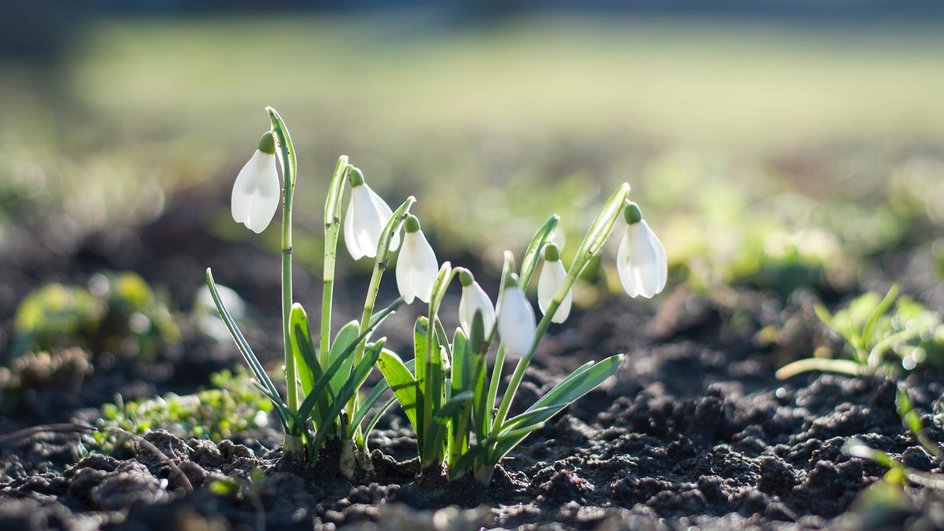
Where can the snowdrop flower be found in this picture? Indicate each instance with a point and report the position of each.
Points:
(256, 193)
(641, 259)
(367, 215)
(474, 299)
(516, 324)
(416, 267)
(551, 279)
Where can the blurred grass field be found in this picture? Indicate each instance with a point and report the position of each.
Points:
(811, 141)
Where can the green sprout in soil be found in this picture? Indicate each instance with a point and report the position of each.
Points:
(230, 407)
(445, 390)
(119, 314)
(888, 494)
(882, 334)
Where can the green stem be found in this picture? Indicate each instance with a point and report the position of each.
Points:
(493, 383)
(290, 172)
(381, 262)
(332, 224)
(848, 367)
(526, 360)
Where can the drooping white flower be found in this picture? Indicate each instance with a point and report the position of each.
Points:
(367, 215)
(550, 281)
(416, 266)
(256, 192)
(641, 261)
(474, 299)
(516, 324)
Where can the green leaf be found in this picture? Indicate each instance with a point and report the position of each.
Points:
(243, 346)
(601, 228)
(404, 386)
(322, 385)
(368, 403)
(285, 146)
(533, 253)
(454, 405)
(877, 313)
(506, 441)
(298, 322)
(581, 382)
(319, 393)
(335, 191)
(374, 395)
(350, 387)
(346, 339)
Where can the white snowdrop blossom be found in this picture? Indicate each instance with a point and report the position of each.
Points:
(552, 278)
(416, 267)
(474, 299)
(516, 324)
(641, 261)
(256, 192)
(367, 215)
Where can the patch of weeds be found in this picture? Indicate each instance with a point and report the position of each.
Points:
(886, 334)
(118, 313)
(232, 406)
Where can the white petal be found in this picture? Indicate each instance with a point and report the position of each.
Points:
(366, 225)
(349, 241)
(416, 268)
(516, 324)
(623, 265)
(405, 270)
(551, 279)
(256, 192)
(425, 267)
(384, 214)
(474, 298)
(641, 261)
(648, 262)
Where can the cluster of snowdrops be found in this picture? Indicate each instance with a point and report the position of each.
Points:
(445, 387)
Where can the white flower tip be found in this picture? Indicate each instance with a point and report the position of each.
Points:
(256, 192)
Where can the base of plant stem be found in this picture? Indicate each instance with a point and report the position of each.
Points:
(292, 446)
(347, 460)
(363, 461)
(483, 474)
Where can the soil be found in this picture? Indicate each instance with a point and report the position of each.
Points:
(695, 430)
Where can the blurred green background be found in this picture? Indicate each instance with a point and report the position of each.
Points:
(766, 150)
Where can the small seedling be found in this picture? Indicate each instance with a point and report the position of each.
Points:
(882, 334)
(898, 474)
(232, 406)
(445, 390)
(116, 313)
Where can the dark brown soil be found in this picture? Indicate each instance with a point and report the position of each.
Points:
(694, 430)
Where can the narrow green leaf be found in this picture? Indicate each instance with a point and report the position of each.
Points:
(319, 391)
(582, 381)
(379, 389)
(378, 317)
(335, 191)
(533, 253)
(243, 346)
(454, 405)
(507, 441)
(358, 375)
(877, 313)
(601, 227)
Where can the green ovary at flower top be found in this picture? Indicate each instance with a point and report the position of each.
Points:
(447, 392)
